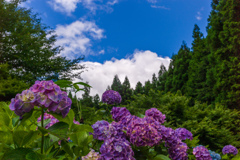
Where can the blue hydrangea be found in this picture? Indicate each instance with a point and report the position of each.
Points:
(214, 155)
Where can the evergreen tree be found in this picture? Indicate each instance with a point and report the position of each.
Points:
(147, 87)
(96, 100)
(87, 100)
(138, 88)
(154, 82)
(162, 77)
(126, 91)
(169, 74)
(180, 71)
(117, 85)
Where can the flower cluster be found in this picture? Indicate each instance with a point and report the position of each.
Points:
(183, 134)
(119, 112)
(144, 132)
(111, 97)
(214, 155)
(229, 149)
(201, 152)
(178, 152)
(45, 94)
(114, 148)
(23, 102)
(156, 115)
(92, 155)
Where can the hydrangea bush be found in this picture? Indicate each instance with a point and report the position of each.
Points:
(128, 137)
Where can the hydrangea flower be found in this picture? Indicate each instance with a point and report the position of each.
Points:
(116, 149)
(183, 134)
(119, 112)
(156, 115)
(143, 132)
(126, 120)
(201, 153)
(214, 155)
(229, 149)
(92, 155)
(169, 136)
(99, 130)
(111, 97)
(23, 102)
(50, 96)
(178, 152)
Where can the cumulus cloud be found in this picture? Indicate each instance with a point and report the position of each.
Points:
(139, 67)
(69, 6)
(77, 37)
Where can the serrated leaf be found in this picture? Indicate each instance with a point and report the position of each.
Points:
(22, 138)
(83, 84)
(19, 154)
(66, 148)
(59, 129)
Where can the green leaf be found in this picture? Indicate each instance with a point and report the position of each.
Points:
(66, 148)
(21, 154)
(83, 84)
(81, 127)
(161, 157)
(22, 138)
(59, 129)
(4, 119)
(63, 83)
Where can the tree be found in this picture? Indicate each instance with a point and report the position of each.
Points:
(147, 87)
(180, 70)
(126, 91)
(154, 82)
(117, 85)
(162, 77)
(27, 46)
(138, 88)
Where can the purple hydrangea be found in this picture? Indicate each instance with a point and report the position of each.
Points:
(169, 136)
(125, 121)
(23, 102)
(92, 155)
(178, 152)
(183, 134)
(156, 115)
(201, 153)
(50, 96)
(111, 97)
(229, 149)
(143, 132)
(119, 112)
(116, 149)
(99, 130)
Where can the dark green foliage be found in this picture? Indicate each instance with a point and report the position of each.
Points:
(162, 77)
(116, 84)
(180, 71)
(126, 91)
(154, 81)
(138, 88)
(147, 87)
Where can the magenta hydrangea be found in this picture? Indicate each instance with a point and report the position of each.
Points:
(92, 155)
(201, 153)
(169, 136)
(23, 102)
(126, 120)
(144, 132)
(111, 97)
(229, 149)
(183, 134)
(116, 149)
(156, 115)
(178, 152)
(118, 113)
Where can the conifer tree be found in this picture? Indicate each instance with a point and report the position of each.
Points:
(126, 91)
(138, 88)
(147, 87)
(116, 85)
(154, 82)
(162, 77)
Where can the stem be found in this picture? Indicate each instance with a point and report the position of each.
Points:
(42, 133)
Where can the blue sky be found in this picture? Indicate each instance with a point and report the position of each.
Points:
(118, 36)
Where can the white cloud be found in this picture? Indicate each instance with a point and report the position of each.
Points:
(199, 16)
(77, 37)
(69, 6)
(152, 1)
(138, 68)
(160, 7)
